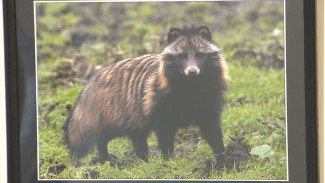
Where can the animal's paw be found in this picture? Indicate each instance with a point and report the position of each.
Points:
(217, 165)
(220, 161)
(76, 163)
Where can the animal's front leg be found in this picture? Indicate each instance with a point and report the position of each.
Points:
(166, 136)
(213, 134)
(139, 140)
(211, 131)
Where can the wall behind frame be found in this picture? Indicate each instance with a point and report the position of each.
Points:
(320, 84)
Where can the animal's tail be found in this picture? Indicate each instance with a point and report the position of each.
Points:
(78, 138)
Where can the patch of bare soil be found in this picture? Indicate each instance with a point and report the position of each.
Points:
(79, 70)
(56, 169)
(233, 159)
(264, 60)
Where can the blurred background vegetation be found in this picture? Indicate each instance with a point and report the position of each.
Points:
(111, 31)
(76, 39)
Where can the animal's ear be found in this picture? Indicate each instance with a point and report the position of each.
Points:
(173, 34)
(204, 32)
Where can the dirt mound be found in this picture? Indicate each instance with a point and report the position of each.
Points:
(233, 159)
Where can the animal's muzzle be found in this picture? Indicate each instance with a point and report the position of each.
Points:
(192, 71)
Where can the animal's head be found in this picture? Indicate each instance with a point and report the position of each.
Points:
(190, 50)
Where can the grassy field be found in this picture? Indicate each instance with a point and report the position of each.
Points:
(252, 40)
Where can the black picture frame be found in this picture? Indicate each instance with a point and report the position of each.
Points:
(301, 90)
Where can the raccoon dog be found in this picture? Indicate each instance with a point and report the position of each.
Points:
(184, 85)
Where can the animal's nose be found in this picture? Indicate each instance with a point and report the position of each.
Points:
(193, 72)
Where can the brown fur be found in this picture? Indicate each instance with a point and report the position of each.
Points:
(151, 92)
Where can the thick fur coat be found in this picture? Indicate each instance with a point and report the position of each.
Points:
(184, 85)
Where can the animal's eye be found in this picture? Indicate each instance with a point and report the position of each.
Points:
(169, 57)
(213, 54)
(181, 56)
(199, 55)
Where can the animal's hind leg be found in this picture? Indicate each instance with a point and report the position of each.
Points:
(102, 142)
(139, 141)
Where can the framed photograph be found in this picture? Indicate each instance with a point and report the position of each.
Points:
(146, 91)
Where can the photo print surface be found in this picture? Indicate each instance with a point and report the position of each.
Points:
(161, 90)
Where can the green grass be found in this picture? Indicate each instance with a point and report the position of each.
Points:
(265, 102)
(255, 100)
